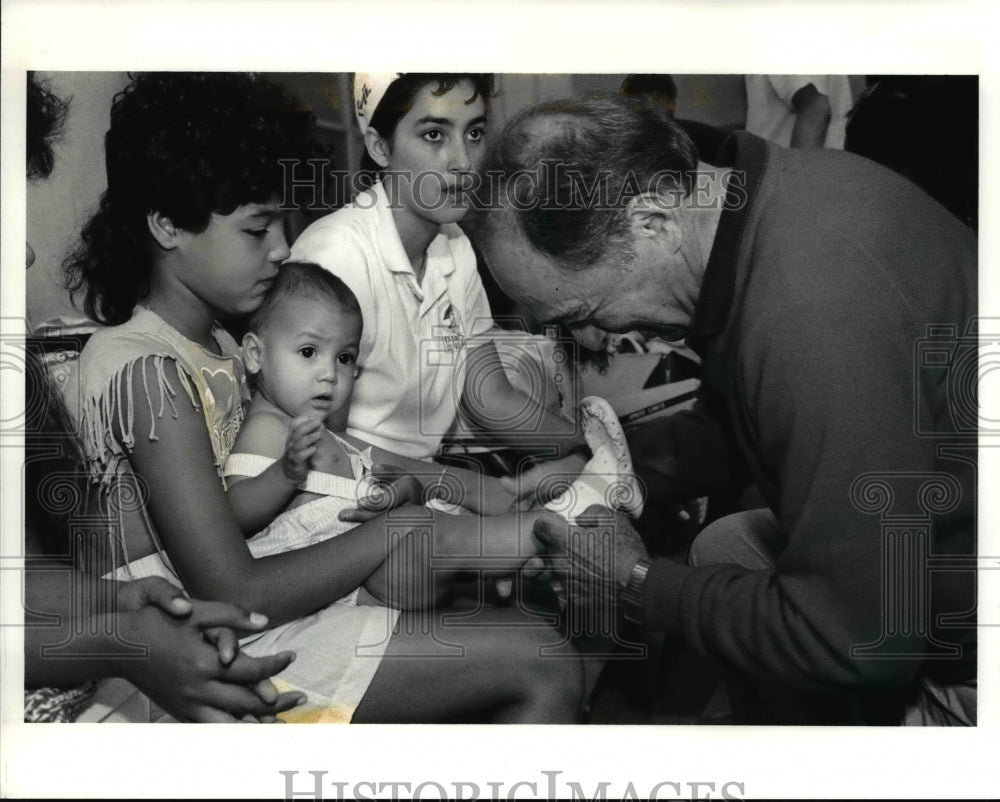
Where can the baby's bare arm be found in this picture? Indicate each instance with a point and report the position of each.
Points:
(257, 500)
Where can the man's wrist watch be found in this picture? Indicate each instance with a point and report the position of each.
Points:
(631, 596)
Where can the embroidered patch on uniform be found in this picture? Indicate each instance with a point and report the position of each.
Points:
(452, 333)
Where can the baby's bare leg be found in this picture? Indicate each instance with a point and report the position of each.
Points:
(428, 552)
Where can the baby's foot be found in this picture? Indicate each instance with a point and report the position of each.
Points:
(607, 479)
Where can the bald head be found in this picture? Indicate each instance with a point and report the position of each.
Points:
(562, 174)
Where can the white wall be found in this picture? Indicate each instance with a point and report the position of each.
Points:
(517, 90)
(58, 207)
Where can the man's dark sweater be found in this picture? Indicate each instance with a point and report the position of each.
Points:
(823, 279)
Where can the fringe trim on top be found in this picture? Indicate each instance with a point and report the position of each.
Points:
(113, 412)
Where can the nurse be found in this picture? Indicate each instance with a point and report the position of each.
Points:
(425, 348)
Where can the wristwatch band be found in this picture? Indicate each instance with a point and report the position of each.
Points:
(631, 596)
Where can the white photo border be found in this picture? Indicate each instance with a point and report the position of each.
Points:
(511, 36)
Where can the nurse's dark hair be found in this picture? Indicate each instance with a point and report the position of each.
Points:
(303, 280)
(186, 145)
(566, 171)
(398, 100)
(45, 116)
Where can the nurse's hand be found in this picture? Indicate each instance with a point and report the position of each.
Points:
(543, 482)
(392, 487)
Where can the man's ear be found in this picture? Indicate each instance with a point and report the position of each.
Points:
(163, 230)
(655, 215)
(252, 350)
(377, 147)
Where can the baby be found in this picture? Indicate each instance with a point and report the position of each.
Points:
(295, 478)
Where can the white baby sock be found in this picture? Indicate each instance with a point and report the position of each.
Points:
(607, 479)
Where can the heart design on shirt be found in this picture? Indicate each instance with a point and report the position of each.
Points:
(222, 388)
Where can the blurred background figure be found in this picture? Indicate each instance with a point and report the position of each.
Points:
(799, 111)
(658, 93)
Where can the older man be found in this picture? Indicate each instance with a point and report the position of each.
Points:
(829, 300)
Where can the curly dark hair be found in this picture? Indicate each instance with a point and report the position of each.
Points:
(184, 145)
(46, 115)
(398, 100)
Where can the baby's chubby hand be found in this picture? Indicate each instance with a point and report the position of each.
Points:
(304, 435)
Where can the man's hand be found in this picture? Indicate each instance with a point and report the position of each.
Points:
(393, 488)
(594, 558)
(304, 434)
